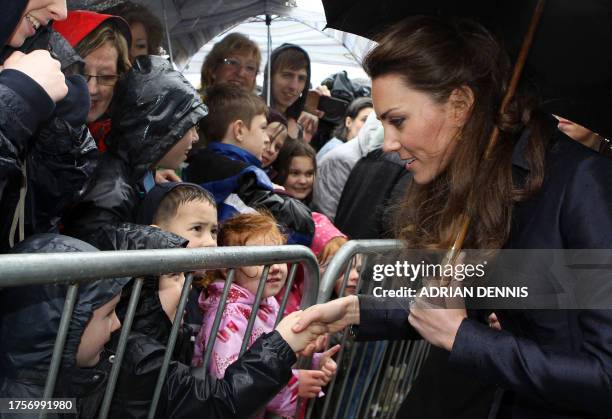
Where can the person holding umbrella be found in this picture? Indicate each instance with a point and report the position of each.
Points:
(437, 87)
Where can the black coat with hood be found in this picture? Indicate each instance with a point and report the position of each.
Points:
(248, 384)
(153, 108)
(297, 107)
(29, 321)
(46, 143)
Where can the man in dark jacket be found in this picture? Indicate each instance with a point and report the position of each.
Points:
(154, 113)
(45, 149)
(376, 184)
(29, 322)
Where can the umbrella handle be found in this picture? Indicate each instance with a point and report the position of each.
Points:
(516, 76)
(518, 69)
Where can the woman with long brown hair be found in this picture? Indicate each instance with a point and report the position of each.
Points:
(437, 87)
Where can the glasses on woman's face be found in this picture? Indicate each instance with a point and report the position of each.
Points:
(249, 68)
(104, 80)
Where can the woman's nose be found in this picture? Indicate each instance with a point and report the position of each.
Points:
(92, 86)
(390, 143)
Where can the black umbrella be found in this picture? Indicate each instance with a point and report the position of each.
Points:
(570, 61)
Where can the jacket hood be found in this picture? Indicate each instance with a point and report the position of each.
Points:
(153, 108)
(31, 314)
(81, 23)
(296, 109)
(153, 198)
(150, 318)
(9, 19)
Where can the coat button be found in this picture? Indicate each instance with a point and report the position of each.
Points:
(96, 377)
(111, 359)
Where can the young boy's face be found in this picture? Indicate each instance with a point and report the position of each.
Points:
(256, 136)
(178, 153)
(248, 277)
(103, 322)
(196, 221)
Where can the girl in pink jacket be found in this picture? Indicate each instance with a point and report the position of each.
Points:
(254, 230)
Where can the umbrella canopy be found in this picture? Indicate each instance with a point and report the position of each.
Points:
(329, 50)
(569, 62)
(193, 23)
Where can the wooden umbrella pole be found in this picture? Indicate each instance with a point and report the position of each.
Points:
(451, 255)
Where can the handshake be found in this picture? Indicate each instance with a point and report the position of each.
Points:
(302, 330)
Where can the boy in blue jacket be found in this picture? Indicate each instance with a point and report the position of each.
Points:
(230, 166)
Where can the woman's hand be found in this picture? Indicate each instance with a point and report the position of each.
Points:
(436, 325)
(334, 315)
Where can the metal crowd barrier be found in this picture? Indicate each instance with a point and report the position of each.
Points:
(382, 371)
(74, 268)
(379, 374)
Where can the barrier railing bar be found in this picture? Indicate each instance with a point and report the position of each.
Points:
(400, 373)
(171, 343)
(410, 360)
(123, 338)
(424, 351)
(332, 384)
(337, 264)
(210, 344)
(60, 341)
(376, 379)
(256, 308)
(369, 375)
(386, 378)
(352, 356)
(414, 364)
(339, 356)
(364, 350)
(288, 286)
(394, 377)
(52, 268)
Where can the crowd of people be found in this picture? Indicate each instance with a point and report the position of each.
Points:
(105, 146)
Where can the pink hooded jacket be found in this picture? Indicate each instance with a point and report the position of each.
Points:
(231, 332)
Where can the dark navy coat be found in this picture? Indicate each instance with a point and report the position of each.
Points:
(546, 363)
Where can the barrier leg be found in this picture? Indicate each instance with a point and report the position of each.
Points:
(60, 341)
(171, 343)
(123, 337)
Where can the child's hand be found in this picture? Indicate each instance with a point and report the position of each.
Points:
(299, 341)
(310, 383)
(166, 175)
(327, 365)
